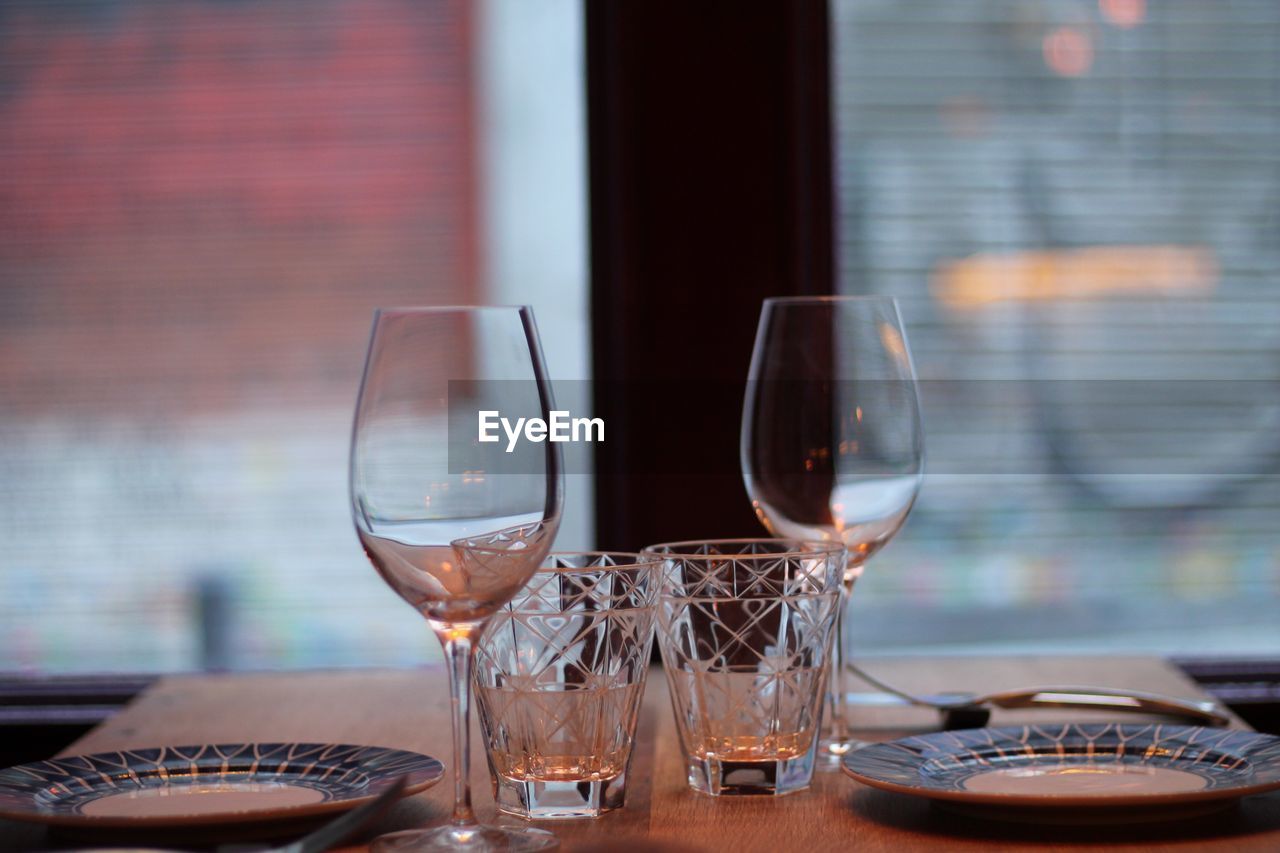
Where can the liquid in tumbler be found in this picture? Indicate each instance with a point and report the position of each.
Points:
(560, 734)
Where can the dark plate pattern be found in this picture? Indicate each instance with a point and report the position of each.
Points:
(57, 790)
(1228, 762)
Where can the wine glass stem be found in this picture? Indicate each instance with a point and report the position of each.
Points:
(458, 651)
(839, 723)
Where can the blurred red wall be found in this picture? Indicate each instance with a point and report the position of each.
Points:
(200, 202)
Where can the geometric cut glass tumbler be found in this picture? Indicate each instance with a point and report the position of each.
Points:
(745, 628)
(560, 672)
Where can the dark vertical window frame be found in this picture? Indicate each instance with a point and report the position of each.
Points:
(710, 157)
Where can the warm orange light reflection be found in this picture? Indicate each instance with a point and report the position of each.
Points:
(1125, 14)
(891, 340)
(1075, 274)
(1068, 51)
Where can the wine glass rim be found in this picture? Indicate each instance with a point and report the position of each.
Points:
(793, 548)
(829, 299)
(443, 309)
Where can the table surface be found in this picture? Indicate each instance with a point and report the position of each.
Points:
(409, 709)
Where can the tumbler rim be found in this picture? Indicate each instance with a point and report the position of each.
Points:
(794, 548)
(633, 560)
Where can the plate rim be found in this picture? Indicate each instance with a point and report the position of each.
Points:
(1062, 801)
(273, 814)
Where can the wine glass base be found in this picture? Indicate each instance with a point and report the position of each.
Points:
(479, 839)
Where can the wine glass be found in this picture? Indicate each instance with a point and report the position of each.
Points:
(455, 526)
(832, 446)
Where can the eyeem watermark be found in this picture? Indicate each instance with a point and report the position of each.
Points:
(561, 427)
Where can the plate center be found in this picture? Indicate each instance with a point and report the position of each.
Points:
(1085, 780)
(201, 798)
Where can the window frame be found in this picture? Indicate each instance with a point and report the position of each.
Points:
(710, 172)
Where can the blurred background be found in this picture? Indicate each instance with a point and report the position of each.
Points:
(203, 200)
(1078, 204)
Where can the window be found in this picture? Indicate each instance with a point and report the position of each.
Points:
(202, 204)
(1077, 204)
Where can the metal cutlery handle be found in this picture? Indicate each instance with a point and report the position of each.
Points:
(968, 705)
(1109, 699)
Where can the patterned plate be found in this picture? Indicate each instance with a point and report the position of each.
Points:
(207, 784)
(1096, 765)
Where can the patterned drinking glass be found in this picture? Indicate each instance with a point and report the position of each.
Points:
(745, 629)
(560, 672)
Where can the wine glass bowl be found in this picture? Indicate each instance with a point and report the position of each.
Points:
(832, 446)
(464, 580)
(449, 522)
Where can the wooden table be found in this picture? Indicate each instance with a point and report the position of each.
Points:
(409, 709)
